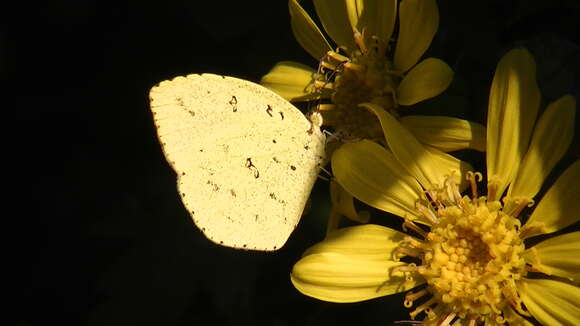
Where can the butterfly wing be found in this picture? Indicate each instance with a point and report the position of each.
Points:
(245, 158)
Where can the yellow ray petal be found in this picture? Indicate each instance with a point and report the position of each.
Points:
(514, 318)
(352, 265)
(557, 256)
(335, 22)
(369, 241)
(426, 80)
(306, 31)
(446, 133)
(419, 20)
(342, 201)
(342, 278)
(551, 139)
(373, 17)
(513, 105)
(291, 80)
(551, 302)
(429, 169)
(559, 207)
(372, 175)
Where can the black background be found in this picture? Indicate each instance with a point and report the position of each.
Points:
(96, 233)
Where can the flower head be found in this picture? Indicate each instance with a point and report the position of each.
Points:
(367, 67)
(466, 251)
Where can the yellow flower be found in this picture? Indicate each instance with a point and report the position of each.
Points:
(364, 69)
(467, 253)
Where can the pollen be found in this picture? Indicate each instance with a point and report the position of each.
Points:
(471, 258)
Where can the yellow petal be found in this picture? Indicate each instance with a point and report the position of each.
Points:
(513, 105)
(291, 80)
(552, 137)
(426, 80)
(557, 256)
(373, 17)
(429, 169)
(369, 241)
(342, 201)
(338, 272)
(419, 20)
(551, 302)
(559, 207)
(446, 133)
(306, 31)
(372, 175)
(334, 19)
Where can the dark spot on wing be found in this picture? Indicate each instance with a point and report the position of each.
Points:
(234, 103)
(269, 110)
(251, 166)
(214, 185)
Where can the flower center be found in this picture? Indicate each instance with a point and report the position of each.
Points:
(364, 76)
(471, 258)
(474, 258)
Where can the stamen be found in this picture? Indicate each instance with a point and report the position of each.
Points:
(327, 65)
(336, 56)
(402, 252)
(499, 319)
(447, 319)
(435, 200)
(492, 189)
(422, 307)
(473, 179)
(326, 107)
(432, 313)
(520, 204)
(359, 40)
(412, 296)
(427, 213)
(411, 225)
(323, 85)
(355, 67)
(452, 189)
(404, 269)
(415, 243)
(471, 321)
